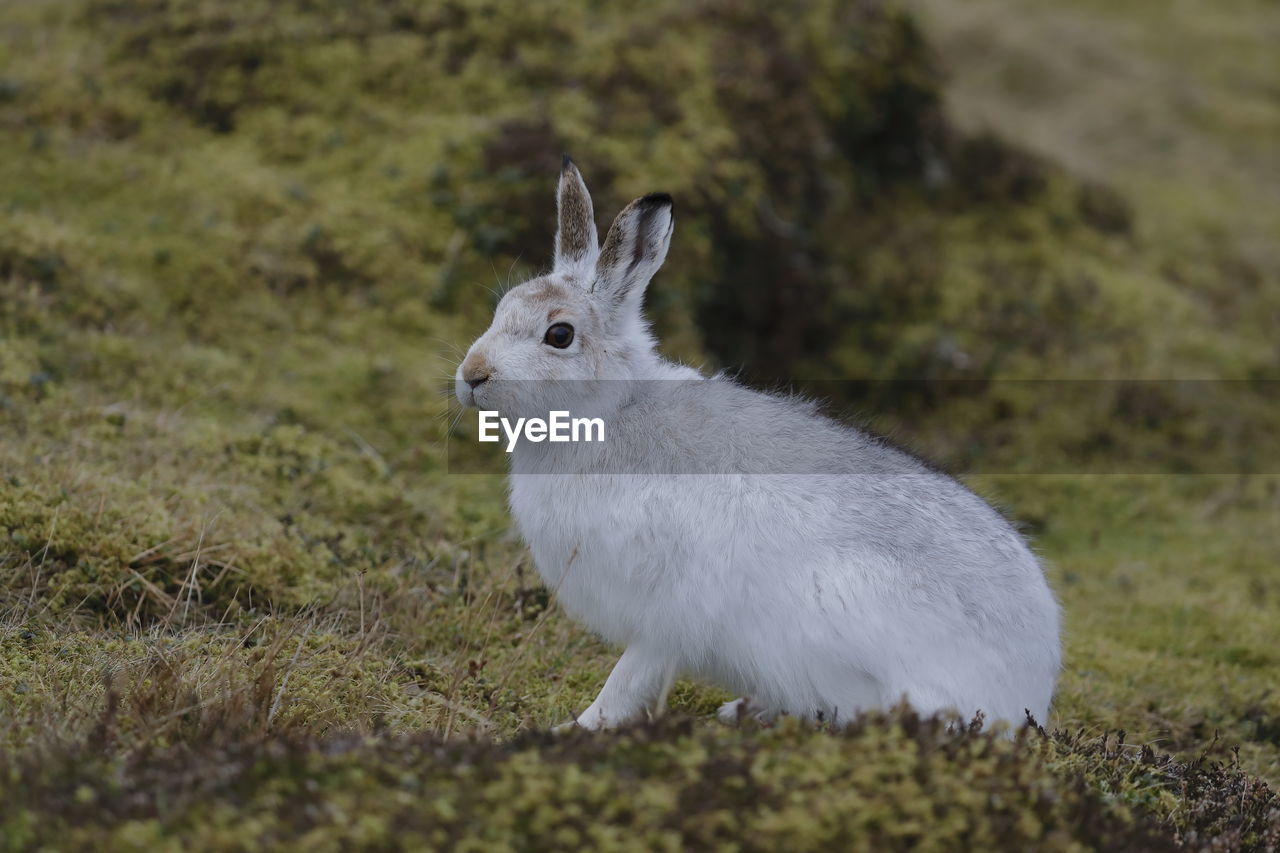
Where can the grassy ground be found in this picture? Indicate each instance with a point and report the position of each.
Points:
(1172, 103)
(243, 602)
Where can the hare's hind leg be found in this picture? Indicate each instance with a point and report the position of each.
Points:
(636, 688)
(743, 708)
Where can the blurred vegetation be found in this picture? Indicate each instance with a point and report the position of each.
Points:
(879, 784)
(242, 242)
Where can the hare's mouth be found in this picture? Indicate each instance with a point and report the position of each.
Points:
(465, 395)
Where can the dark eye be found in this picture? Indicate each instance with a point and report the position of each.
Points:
(559, 336)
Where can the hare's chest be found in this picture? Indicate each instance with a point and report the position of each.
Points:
(594, 546)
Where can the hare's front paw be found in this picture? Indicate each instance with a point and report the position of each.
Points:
(592, 722)
(596, 719)
(636, 688)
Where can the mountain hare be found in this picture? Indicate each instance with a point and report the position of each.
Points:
(738, 536)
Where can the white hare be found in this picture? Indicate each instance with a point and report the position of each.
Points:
(738, 536)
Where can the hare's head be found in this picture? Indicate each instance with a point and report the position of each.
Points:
(582, 321)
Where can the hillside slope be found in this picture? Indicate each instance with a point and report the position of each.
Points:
(241, 245)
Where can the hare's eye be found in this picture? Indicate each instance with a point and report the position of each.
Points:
(559, 336)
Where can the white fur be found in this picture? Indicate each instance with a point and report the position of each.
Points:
(744, 538)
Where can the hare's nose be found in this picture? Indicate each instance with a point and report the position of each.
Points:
(476, 370)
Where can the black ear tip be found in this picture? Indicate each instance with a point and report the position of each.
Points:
(565, 161)
(656, 200)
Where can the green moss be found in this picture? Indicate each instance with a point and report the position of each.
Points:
(882, 784)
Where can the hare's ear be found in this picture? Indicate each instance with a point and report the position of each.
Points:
(577, 246)
(634, 248)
